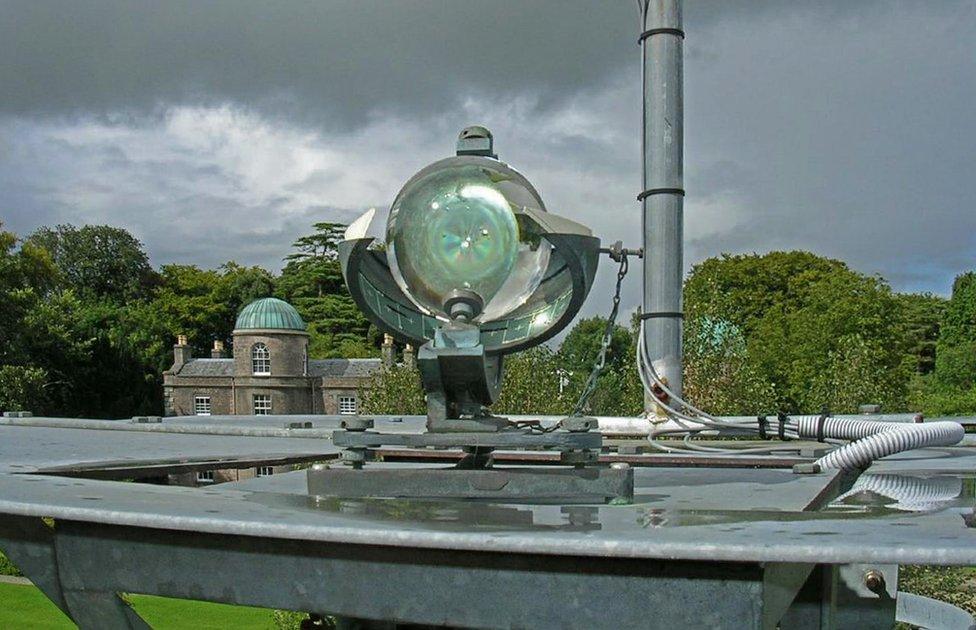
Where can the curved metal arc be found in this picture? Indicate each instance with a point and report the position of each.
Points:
(359, 265)
(376, 294)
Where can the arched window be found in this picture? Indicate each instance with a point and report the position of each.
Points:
(260, 360)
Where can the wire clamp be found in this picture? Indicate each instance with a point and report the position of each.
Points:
(820, 425)
(661, 314)
(782, 418)
(660, 191)
(659, 31)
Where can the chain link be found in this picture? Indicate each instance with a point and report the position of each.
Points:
(601, 357)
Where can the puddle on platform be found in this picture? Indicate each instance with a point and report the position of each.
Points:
(898, 499)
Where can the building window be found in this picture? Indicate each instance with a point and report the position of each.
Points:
(201, 405)
(265, 471)
(347, 405)
(205, 476)
(262, 404)
(260, 360)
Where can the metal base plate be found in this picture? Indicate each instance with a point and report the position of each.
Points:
(518, 439)
(570, 485)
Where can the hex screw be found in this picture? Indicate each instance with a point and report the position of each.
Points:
(811, 468)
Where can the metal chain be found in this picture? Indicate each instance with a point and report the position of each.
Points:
(601, 357)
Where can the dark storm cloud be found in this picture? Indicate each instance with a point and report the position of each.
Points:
(345, 59)
(217, 130)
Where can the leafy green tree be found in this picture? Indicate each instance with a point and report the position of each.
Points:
(923, 316)
(98, 261)
(203, 303)
(22, 388)
(618, 390)
(582, 344)
(815, 333)
(718, 375)
(312, 282)
(956, 348)
(27, 275)
(741, 290)
(313, 271)
(394, 389)
(531, 384)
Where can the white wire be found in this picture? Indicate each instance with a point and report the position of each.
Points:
(872, 439)
(701, 418)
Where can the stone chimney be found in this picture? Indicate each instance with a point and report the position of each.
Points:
(218, 350)
(182, 353)
(387, 351)
(409, 357)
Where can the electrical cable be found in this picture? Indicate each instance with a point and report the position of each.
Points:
(872, 439)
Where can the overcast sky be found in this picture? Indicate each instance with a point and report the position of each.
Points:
(223, 130)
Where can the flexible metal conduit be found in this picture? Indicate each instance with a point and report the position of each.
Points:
(875, 440)
(911, 494)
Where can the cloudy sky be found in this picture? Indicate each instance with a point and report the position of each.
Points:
(222, 130)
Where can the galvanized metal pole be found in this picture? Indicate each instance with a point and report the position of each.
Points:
(661, 41)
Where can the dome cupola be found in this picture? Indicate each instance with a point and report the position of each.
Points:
(269, 314)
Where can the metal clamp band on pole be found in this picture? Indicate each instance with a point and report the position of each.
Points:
(660, 191)
(660, 314)
(660, 31)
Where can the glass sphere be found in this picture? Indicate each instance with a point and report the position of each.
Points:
(454, 228)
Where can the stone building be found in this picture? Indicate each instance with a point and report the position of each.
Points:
(269, 373)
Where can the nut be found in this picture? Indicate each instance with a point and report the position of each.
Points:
(874, 581)
(577, 424)
(356, 423)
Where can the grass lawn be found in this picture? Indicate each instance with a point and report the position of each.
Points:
(23, 606)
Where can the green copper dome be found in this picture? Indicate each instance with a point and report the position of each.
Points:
(269, 313)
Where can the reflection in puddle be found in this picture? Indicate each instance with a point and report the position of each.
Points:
(908, 493)
(896, 499)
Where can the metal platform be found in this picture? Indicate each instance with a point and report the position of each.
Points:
(746, 547)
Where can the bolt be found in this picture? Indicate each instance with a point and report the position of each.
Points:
(354, 457)
(356, 423)
(874, 581)
(578, 424)
(811, 468)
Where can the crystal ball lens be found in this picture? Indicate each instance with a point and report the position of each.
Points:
(455, 229)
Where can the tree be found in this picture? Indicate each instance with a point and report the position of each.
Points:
(955, 363)
(741, 290)
(312, 282)
(22, 388)
(203, 303)
(581, 346)
(618, 390)
(814, 333)
(530, 384)
(98, 261)
(718, 374)
(313, 271)
(394, 389)
(27, 275)
(923, 316)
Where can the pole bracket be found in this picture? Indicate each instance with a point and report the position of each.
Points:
(661, 315)
(660, 31)
(660, 191)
